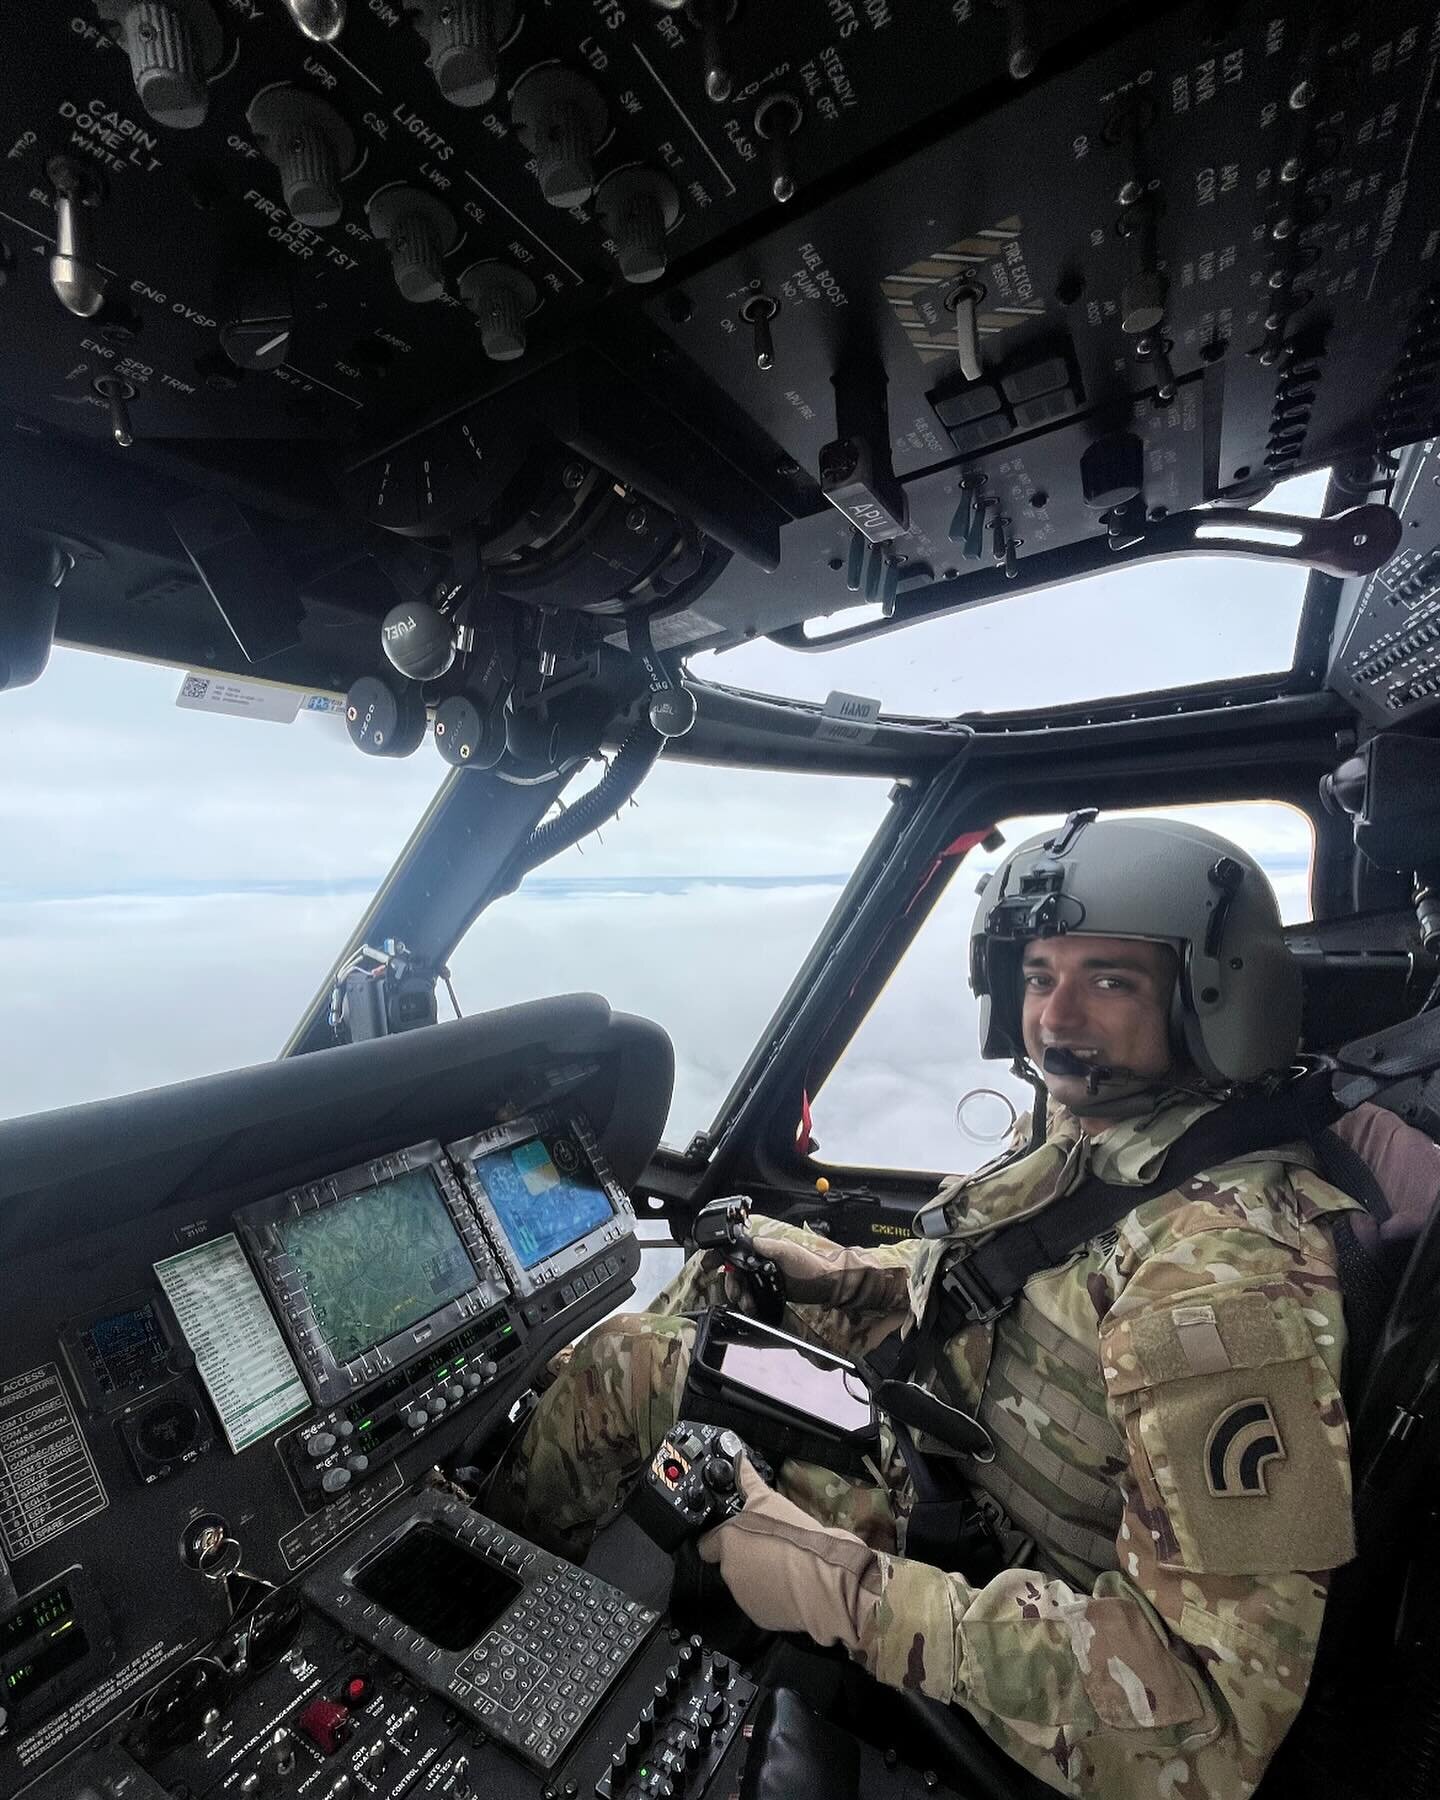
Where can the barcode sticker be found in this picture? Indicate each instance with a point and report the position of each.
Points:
(241, 699)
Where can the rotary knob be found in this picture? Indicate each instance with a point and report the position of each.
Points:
(416, 1419)
(310, 144)
(172, 46)
(720, 1475)
(418, 229)
(464, 38)
(472, 1378)
(561, 119)
(638, 207)
(500, 297)
(454, 1391)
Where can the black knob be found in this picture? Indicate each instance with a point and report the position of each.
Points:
(261, 315)
(638, 207)
(1112, 471)
(500, 298)
(720, 1474)
(172, 46)
(385, 721)
(418, 229)
(561, 118)
(468, 738)
(465, 38)
(310, 144)
(722, 1673)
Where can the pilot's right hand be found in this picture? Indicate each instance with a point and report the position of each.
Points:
(813, 1274)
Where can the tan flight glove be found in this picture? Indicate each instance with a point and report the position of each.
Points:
(829, 1275)
(788, 1572)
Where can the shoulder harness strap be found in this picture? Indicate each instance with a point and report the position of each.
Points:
(981, 1284)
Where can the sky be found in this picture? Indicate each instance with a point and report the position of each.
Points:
(174, 885)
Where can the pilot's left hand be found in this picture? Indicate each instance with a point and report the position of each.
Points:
(788, 1572)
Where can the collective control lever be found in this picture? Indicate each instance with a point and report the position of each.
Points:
(173, 45)
(465, 39)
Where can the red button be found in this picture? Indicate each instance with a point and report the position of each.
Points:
(673, 1471)
(357, 1690)
(325, 1723)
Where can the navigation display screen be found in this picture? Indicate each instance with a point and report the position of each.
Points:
(377, 1262)
(541, 1209)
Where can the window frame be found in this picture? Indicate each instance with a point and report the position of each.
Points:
(753, 1146)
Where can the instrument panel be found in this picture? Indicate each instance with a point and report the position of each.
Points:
(232, 1390)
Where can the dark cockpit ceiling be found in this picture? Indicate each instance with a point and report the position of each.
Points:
(816, 308)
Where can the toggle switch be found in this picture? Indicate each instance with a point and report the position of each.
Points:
(418, 229)
(321, 21)
(778, 118)
(561, 118)
(1019, 40)
(501, 298)
(1142, 297)
(211, 1728)
(712, 16)
(974, 546)
(310, 144)
(117, 394)
(638, 206)
(172, 46)
(465, 39)
(76, 278)
(279, 1752)
(1155, 348)
(757, 312)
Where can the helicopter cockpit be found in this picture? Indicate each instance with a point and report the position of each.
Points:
(604, 520)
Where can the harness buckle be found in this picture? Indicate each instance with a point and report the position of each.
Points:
(968, 1288)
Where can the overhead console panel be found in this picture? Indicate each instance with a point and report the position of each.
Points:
(638, 328)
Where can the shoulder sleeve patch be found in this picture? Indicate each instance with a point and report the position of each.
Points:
(1246, 1455)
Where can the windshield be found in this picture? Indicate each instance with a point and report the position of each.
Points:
(694, 908)
(1179, 623)
(174, 882)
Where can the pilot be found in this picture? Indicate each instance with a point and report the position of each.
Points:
(1171, 1476)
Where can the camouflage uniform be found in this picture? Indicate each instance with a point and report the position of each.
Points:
(1169, 1432)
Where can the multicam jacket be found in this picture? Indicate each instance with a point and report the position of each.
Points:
(1169, 1432)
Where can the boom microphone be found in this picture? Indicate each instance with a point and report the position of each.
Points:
(1097, 1075)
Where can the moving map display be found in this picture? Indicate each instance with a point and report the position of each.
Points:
(378, 1261)
(540, 1208)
